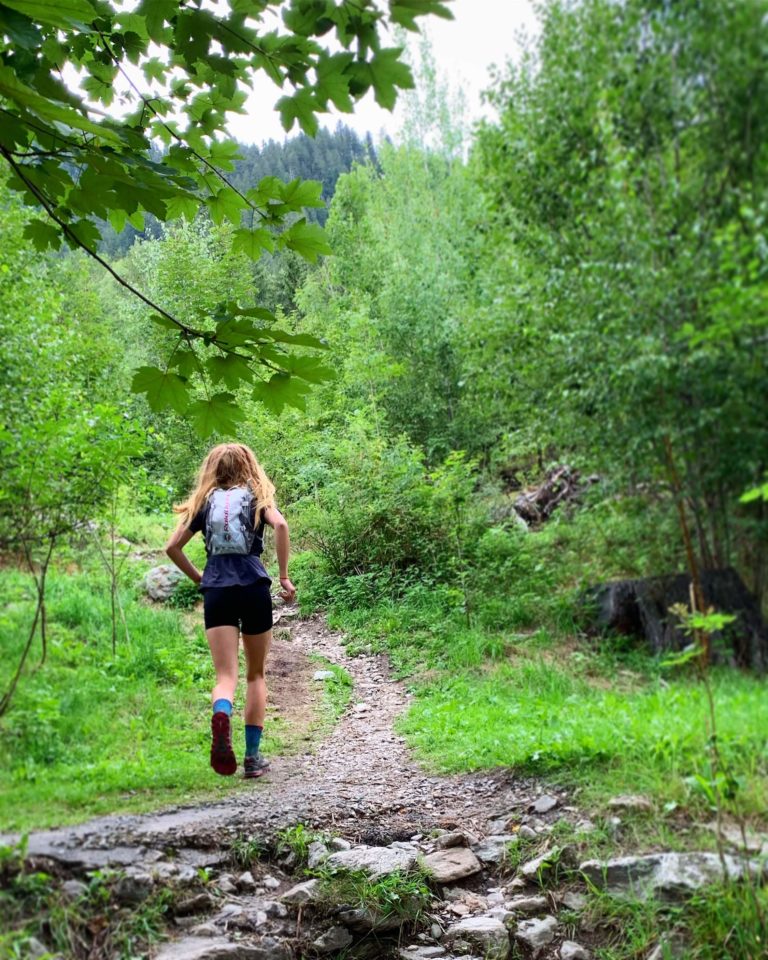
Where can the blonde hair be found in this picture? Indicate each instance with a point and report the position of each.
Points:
(229, 465)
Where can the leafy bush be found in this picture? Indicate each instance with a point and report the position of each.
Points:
(380, 511)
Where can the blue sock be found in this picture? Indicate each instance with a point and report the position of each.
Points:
(252, 739)
(223, 706)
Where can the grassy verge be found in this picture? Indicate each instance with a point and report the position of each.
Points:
(91, 733)
(514, 683)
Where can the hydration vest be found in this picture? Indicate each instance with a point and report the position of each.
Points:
(229, 524)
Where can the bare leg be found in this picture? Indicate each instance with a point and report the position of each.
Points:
(256, 646)
(223, 644)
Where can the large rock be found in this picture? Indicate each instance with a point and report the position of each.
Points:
(218, 948)
(160, 582)
(536, 935)
(374, 861)
(641, 608)
(669, 876)
(487, 935)
(455, 863)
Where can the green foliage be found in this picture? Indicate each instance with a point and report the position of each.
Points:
(200, 62)
(297, 839)
(34, 906)
(186, 595)
(718, 921)
(337, 690)
(381, 511)
(628, 227)
(245, 851)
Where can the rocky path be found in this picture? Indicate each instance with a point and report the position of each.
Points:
(501, 882)
(358, 780)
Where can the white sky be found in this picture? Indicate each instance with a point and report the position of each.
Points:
(484, 32)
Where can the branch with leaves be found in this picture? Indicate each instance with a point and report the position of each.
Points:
(158, 146)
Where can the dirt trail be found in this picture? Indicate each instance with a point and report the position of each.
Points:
(359, 779)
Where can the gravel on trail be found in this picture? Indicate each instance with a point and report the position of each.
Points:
(359, 779)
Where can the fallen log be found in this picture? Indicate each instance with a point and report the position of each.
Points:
(641, 608)
(561, 484)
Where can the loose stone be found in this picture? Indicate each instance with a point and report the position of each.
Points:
(570, 950)
(536, 934)
(527, 905)
(333, 940)
(494, 848)
(486, 934)
(374, 861)
(631, 802)
(447, 866)
(545, 804)
(302, 893)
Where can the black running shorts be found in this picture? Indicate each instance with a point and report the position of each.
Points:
(249, 607)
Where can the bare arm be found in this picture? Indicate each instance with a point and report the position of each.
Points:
(175, 550)
(276, 520)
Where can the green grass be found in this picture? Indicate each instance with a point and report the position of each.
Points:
(518, 685)
(715, 923)
(89, 733)
(540, 716)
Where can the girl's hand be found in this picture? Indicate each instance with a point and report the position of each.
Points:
(288, 591)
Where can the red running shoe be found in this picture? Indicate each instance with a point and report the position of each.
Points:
(223, 759)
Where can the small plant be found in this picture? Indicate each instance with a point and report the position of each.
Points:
(297, 840)
(402, 895)
(244, 851)
(185, 596)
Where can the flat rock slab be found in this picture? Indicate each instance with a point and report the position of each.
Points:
(486, 934)
(207, 948)
(302, 893)
(455, 863)
(375, 861)
(668, 875)
(527, 905)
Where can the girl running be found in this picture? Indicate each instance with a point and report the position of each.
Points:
(231, 503)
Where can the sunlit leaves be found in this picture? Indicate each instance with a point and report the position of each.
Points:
(301, 107)
(253, 242)
(231, 368)
(226, 203)
(59, 13)
(43, 235)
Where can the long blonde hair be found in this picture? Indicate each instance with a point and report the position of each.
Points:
(229, 465)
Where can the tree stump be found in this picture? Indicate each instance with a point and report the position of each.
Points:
(641, 608)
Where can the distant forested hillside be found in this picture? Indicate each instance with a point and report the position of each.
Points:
(324, 158)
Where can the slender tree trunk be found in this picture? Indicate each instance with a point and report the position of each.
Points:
(697, 596)
(5, 700)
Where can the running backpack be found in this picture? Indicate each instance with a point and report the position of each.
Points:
(229, 523)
